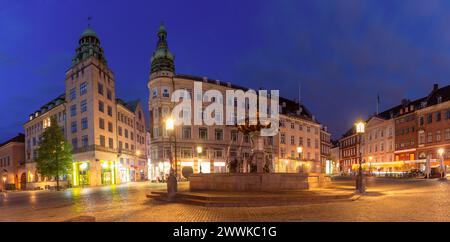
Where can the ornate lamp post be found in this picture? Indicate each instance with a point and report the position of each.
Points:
(172, 186)
(299, 152)
(4, 182)
(441, 155)
(199, 152)
(360, 129)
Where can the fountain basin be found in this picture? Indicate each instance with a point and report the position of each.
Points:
(257, 182)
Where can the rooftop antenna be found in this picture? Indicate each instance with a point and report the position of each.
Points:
(89, 19)
(299, 93)
(378, 103)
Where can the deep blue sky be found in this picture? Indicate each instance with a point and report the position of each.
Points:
(342, 52)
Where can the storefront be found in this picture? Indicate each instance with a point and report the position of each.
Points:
(80, 173)
(108, 173)
(393, 167)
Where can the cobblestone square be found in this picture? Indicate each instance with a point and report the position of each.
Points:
(386, 200)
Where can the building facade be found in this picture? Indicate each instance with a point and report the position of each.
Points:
(298, 131)
(12, 157)
(220, 144)
(325, 150)
(106, 133)
(418, 129)
(434, 126)
(378, 142)
(349, 152)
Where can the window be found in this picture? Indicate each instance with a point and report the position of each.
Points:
(73, 127)
(109, 94)
(74, 143)
(85, 141)
(165, 92)
(186, 153)
(110, 112)
(219, 134)
(447, 114)
(283, 138)
(83, 106)
(300, 141)
(102, 141)
(73, 94)
(126, 133)
(422, 138)
(131, 135)
(430, 137)
(447, 134)
(292, 140)
(438, 116)
(186, 133)
(203, 133)
(73, 110)
(84, 123)
(111, 143)
(438, 136)
(101, 123)
(218, 153)
(110, 127)
(83, 88)
(101, 106)
(292, 125)
(155, 92)
(247, 138)
(100, 88)
(421, 121)
(308, 142)
(430, 118)
(120, 131)
(234, 135)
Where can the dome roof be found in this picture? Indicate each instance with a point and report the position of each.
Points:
(89, 32)
(162, 29)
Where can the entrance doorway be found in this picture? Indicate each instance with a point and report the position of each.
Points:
(23, 181)
(106, 177)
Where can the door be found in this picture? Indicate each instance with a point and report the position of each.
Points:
(23, 181)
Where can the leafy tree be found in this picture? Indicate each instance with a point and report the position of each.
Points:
(54, 155)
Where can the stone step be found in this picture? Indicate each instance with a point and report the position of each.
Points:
(250, 200)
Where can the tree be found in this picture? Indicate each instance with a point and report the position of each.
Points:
(54, 155)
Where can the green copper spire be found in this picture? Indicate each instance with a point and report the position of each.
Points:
(89, 45)
(162, 58)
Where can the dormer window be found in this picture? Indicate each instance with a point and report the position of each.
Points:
(165, 92)
(439, 99)
(423, 104)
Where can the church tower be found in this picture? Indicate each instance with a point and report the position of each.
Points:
(162, 61)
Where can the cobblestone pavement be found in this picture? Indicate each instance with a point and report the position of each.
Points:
(386, 200)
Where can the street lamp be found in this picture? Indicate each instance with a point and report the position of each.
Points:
(172, 186)
(441, 154)
(199, 151)
(4, 182)
(300, 151)
(360, 129)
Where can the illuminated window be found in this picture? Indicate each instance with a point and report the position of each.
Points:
(83, 88)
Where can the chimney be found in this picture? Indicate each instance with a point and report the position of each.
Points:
(435, 87)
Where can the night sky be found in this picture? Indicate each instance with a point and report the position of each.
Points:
(343, 52)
